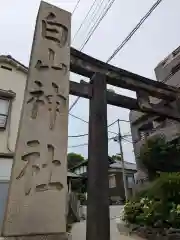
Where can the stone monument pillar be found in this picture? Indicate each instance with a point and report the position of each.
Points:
(38, 188)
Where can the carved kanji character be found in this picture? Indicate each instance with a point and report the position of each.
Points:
(37, 98)
(54, 31)
(54, 104)
(50, 164)
(31, 168)
(51, 63)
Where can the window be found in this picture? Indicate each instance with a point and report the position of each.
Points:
(130, 181)
(112, 181)
(4, 107)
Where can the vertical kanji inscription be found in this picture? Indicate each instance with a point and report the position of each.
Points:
(38, 189)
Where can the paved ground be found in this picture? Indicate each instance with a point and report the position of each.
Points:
(79, 229)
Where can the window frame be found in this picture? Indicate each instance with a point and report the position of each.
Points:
(2, 128)
(112, 181)
(130, 185)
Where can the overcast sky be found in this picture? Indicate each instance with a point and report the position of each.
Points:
(158, 36)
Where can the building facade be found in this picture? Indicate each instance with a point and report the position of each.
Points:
(12, 85)
(116, 186)
(144, 126)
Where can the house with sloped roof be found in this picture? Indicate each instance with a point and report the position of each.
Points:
(116, 186)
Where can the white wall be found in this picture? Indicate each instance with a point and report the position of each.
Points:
(15, 81)
(5, 169)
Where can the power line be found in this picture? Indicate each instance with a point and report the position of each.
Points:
(83, 144)
(78, 118)
(86, 144)
(95, 16)
(126, 139)
(77, 99)
(80, 135)
(80, 145)
(77, 4)
(134, 30)
(86, 134)
(112, 132)
(96, 24)
(84, 20)
(125, 40)
(112, 123)
(74, 103)
(92, 30)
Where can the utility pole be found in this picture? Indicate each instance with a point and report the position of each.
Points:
(122, 159)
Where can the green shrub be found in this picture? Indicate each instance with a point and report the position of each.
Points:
(159, 155)
(160, 202)
(131, 211)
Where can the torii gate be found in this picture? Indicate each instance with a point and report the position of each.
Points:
(52, 38)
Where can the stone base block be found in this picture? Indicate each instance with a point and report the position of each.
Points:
(65, 236)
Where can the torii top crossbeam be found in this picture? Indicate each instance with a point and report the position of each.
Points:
(87, 66)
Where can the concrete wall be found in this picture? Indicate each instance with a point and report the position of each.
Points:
(5, 168)
(14, 80)
(167, 71)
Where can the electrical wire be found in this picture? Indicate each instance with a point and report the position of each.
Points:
(80, 145)
(97, 13)
(125, 40)
(134, 30)
(92, 30)
(86, 134)
(112, 123)
(79, 118)
(76, 6)
(126, 139)
(84, 20)
(72, 115)
(80, 135)
(91, 20)
(83, 144)
(96, 24)
(74, 103)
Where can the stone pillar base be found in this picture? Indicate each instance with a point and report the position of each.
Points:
(64, 236)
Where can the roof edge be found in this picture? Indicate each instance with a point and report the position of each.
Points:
(12, 61)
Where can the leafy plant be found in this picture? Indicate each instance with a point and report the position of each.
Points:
(159, 203)
(158, 155)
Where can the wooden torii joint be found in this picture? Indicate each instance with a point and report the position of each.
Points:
(163, 108)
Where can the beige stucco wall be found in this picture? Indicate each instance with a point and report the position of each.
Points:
(14, 80)
(5, 168)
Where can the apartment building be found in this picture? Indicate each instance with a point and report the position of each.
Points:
(143, 126)
(12, 85)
